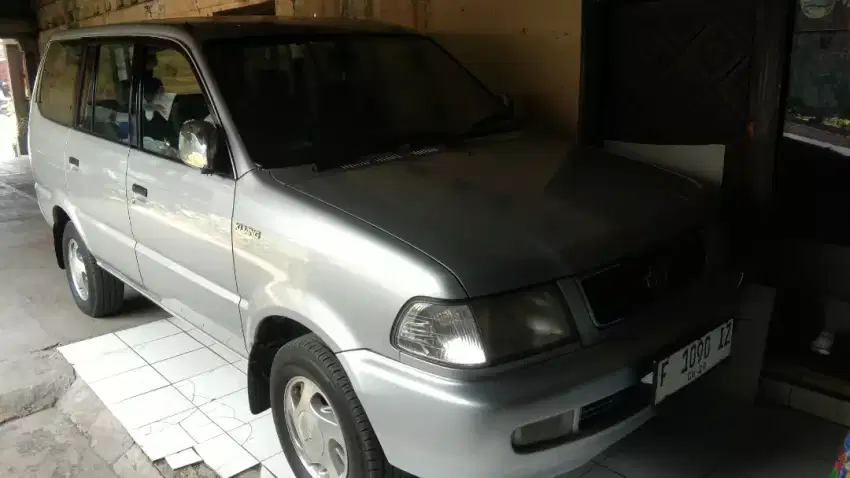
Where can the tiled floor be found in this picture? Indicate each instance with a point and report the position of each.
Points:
(181, 395)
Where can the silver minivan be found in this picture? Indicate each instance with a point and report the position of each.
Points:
(420, 285)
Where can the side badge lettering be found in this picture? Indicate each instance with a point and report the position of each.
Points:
(246, 231)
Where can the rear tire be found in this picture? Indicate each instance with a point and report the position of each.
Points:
(308, 357)
(96, 292)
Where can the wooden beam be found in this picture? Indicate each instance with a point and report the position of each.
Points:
(771, 49)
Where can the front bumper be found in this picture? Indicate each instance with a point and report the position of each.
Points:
(434, 427)
(440, 427)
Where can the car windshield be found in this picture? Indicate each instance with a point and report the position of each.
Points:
(330, 100)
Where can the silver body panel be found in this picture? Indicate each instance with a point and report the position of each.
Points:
(340, 253)
(464, 429)
(340, 277)
(184, 251)
(506, 213)
(97, 189)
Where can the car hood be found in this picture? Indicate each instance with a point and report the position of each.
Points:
(512, 213)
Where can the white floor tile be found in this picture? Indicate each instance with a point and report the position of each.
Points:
(92, 348)
(265, 473)
(242, 365)
(201, 337)
(258, 437)
(188, 365)
(128, 384)
(208, 386)
(168, 347)
(279, 466)
(200, 427)
(183, 458)
(231, 411)
(150, 407)
(162, 438)
(225, 456)
(180, 323)
(225, 353)
(108, 365)
(235, 467)
(148, 332)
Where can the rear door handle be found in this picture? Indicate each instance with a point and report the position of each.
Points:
(140, 190)
(74, 161)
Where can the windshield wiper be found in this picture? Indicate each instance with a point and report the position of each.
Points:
(367, 152)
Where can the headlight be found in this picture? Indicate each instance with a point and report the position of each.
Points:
(484, 331)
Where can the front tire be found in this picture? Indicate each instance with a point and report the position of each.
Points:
(96, 292)
(310, 392)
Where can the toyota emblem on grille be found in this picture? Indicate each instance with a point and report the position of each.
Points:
(655, 277)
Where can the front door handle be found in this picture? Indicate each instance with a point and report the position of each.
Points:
(74, 161)
(140, 190)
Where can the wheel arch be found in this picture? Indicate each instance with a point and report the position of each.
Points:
(272, 333)
(60, 220)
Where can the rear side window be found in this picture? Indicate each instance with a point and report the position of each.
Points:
(57, 91)
(105, 100)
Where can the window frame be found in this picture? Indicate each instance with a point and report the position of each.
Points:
(223, 163)
(76, 97)
(90, 60)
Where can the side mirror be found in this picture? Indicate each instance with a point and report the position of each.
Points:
(197, 143)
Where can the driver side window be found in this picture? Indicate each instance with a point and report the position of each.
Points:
(171, 95)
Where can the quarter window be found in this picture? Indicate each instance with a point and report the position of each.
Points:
(58, 80)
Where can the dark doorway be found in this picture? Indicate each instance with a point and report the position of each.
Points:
(691, 72)
(677, 72)
(810, 335)
(264, 8)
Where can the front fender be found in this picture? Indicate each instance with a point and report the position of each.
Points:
(336, 275)
(279, 299)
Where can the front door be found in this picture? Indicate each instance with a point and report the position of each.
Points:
(181, 216)
(97, 151)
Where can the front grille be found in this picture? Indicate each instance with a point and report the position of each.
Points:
(614, 408)
(625, 288)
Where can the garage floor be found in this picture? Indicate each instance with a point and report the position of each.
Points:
(36, 309)
(691, 440)
(182, 397)
(692, 437)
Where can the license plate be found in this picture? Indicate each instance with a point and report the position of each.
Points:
(692, 361)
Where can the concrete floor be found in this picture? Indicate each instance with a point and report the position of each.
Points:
(36, 308)
(38, 313)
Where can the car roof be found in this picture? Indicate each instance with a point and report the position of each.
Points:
(205, 28)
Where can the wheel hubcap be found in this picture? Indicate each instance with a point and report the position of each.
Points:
(79, 276)
(314, 429)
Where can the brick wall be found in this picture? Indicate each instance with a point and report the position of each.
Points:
(530, 50)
